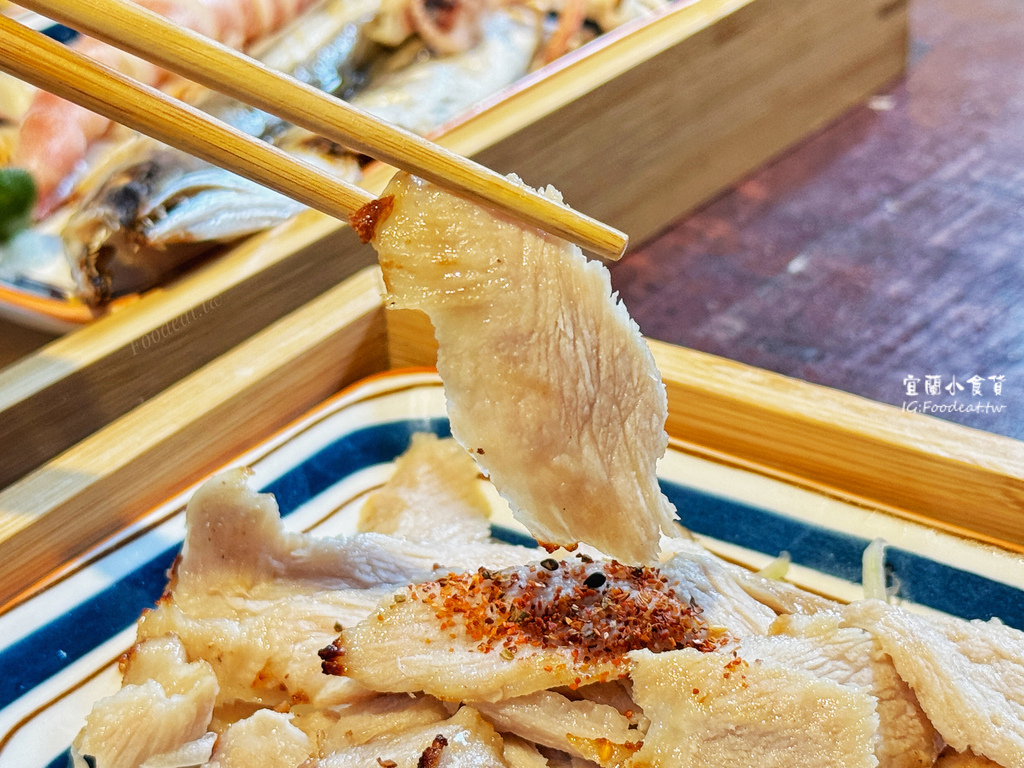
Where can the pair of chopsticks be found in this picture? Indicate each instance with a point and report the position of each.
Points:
(33, 57)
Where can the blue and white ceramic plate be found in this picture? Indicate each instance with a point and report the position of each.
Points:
(59, 647)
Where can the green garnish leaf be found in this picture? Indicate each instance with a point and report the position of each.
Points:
(17, 197)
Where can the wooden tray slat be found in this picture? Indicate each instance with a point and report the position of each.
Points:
(931, 469)
(80, 382)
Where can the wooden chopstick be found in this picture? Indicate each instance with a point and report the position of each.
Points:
(151, 37)
(54, 67)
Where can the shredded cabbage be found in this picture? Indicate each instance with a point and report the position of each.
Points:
(873, 571)
(777, 568)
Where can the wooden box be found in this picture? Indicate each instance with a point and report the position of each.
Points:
(876, 456)
(636, 129)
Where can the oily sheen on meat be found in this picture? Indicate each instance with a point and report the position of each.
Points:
(549, 383)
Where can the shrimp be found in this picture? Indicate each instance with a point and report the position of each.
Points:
(55, 134)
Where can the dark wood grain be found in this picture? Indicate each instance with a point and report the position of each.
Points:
(890, 244)
(16, 341)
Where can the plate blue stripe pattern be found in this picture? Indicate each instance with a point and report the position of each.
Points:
(48, 650)
(920, 580)
(355, 451)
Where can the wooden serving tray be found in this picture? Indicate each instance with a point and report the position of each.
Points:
(636, 129)
(876, 456)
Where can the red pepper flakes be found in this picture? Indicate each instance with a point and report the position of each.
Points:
(733, 666)
(735, 662)
(601, 611)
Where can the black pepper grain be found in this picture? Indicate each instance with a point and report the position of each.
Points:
(596, 580)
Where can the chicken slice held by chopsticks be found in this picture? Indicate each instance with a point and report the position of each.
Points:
(549, 382)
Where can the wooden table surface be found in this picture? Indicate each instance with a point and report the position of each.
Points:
(890, 245)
